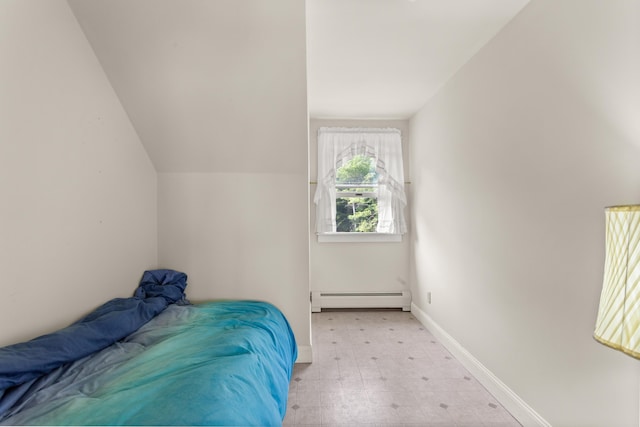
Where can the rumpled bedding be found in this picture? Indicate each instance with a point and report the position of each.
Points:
(21, 364)
(218, 363)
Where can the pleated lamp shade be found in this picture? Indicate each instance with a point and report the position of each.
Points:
(618, 321)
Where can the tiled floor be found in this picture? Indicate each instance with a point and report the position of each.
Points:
(383, 368)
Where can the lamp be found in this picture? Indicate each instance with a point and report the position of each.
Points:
(618, 321)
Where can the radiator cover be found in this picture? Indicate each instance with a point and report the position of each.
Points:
(394, 299)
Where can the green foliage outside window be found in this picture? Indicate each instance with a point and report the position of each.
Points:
(357, 214)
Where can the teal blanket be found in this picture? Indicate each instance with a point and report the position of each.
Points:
(225, 363)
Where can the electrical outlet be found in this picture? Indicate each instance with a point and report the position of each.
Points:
(429, 297)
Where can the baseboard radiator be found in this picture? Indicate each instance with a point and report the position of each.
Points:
(400, 299)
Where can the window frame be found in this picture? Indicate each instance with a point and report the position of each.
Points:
(358, 237)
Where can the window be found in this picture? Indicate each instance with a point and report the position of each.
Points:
(360, 183)
(357, 196)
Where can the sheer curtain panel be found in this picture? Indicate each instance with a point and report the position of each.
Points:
(337, 146)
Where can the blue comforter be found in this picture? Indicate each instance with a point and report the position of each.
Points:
(22, 363)
(218, 363)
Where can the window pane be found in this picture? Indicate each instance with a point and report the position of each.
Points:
(360, 170)
(356, 214)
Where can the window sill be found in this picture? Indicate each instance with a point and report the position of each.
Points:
(358, 237)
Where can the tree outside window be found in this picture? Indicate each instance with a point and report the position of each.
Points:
(356, 196)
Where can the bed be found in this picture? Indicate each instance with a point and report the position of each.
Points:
(154, 359)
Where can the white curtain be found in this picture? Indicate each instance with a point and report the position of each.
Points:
(337, 146)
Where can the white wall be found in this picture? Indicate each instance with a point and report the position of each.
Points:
(77, 190)
(239, 236)
(512, 164)
(356, 267)
(217, 92)
(239, 228)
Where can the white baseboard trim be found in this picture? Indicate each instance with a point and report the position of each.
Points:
(507, 397)
(305, 355)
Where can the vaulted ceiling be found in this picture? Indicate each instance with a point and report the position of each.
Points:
(201, 78)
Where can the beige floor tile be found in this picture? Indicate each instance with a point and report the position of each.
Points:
(384, 369)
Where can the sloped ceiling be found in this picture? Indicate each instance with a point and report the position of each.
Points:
(386, 58)
(210, 84)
